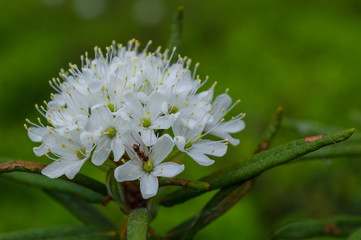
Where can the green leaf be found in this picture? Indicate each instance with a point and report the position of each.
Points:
(115, 190)
(62, 233)
(89, 183)
(341, 226)
(138, 224)
(258, 164)
(193, 184)
(59, 185)
(7, 166)
(82, 210)
(355, 235)
(175, 39)
(270, 131)
(217, 206)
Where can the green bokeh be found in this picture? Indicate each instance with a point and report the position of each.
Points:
(303, 55)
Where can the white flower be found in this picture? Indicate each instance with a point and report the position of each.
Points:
(146, 164)
(71, 152)
(68, 110)
(189, 140)
(217, 127)
(36, 134)
(108, 131)
(127, 90)
(189, 133)
(147, 117)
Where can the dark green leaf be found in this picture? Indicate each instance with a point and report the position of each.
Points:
(82, 210)
(89, 183)
(218, 205)
(59, 185)
(115, 190)
(193, 184)
(7, 166)
(138, 224)
(258, 164)
(341, 226)
(62, 233)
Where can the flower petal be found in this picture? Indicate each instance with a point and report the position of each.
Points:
(225, 135)
(208, 147)
(180, 142)
(80, 120)
(163, 122)
(117, 148)
(155, 103)
(232, 126)
(95, 85)
(161, 149)
(129, 171)
(102, 151)
(133, 105)
(41, 150)
(87, 139)
(201, 159)
(101, 117)
(148, 136)
(68, 167)
(221, 102)
(168, 169)
(148, 185)
(36, 133)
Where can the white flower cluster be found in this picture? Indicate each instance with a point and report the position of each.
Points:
(132, 106)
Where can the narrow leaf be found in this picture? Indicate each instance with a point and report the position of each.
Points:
(82, 210)
(218, 205)
(64, 233)
(270, 131)
(258, 164)
(175, 39)
(138, 224)
(59, 185)
(193, 184)
(115, 190)
(23, 166)
(341, 226)
(7, 166)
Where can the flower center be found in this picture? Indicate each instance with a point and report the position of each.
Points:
(111, 132)
(146, 122)
(148, 166)
(188, 145)
(174, 110)
(111, 107)
(80, 154)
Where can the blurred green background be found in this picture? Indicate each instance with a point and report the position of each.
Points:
(303, 55)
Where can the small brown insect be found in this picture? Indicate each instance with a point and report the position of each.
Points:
(138, 151)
